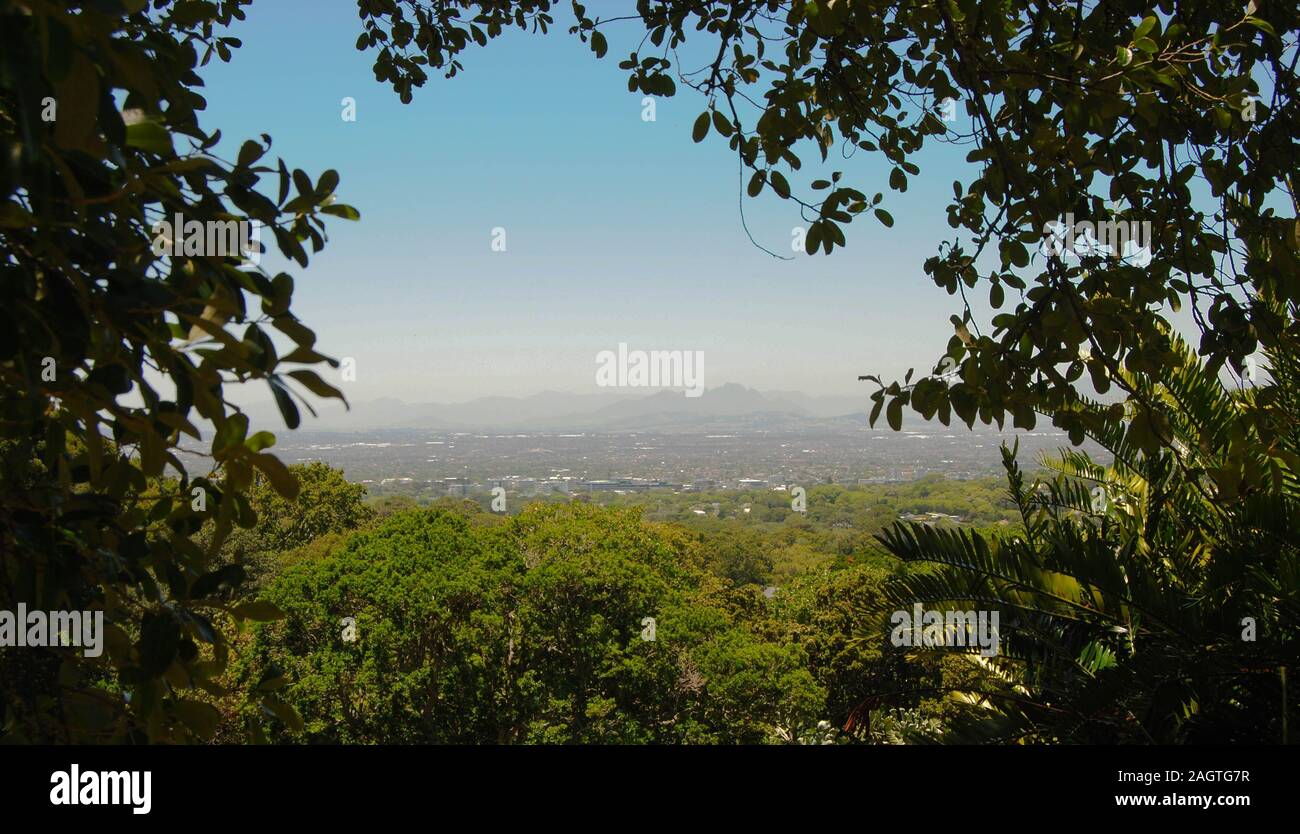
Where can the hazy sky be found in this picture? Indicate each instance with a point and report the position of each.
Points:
(617, 229)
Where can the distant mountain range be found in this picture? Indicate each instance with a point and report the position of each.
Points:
(724, 408)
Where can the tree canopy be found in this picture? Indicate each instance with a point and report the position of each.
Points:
(565, 624)
(110, 353)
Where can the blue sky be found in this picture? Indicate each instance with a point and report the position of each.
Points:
(618, 229)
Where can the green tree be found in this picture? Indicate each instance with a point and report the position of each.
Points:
(326, 503)
(528, 631)
(385, 505)
(741, 555)
(110, 353)
(1136, 605)
(832, 617)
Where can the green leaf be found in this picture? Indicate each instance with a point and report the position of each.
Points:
(779, 184)
(271, 683)
(284, 712)
(249, 152)
(281, 293)
(812, 241)
(232, 433)
(149, 136)
(701, 128)
(284, 183)
(284, 402)
(203, 719)
(259, 441)
(1260, 23)
(278, 474)
(327, 183)
(316, 385)
(341, 210)
(894, 413)
(302, 182)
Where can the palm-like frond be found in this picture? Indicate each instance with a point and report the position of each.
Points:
(1125, 601)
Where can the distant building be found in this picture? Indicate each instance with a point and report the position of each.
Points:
(930, 518)
(624, 485)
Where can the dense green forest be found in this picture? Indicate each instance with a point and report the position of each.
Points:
(757, 536)
(472, 626)
(448, 622)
